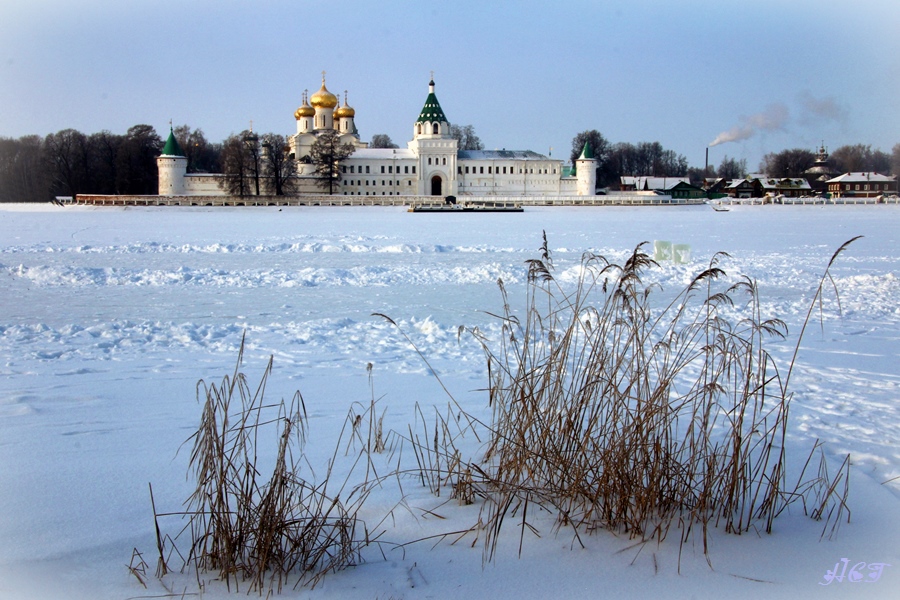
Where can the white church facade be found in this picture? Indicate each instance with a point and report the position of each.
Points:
(431, 165)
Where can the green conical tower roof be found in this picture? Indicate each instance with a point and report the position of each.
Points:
(432, 111)
(586, 153)
(172, 148)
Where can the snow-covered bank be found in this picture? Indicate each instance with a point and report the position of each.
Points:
(110, 316)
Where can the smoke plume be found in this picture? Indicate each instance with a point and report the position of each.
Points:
(826, 109)
(774, 117)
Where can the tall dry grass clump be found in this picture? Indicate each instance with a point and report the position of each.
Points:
(617, 415)
(248, 527)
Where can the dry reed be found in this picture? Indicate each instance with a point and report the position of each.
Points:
(263, 531)
(614, 415)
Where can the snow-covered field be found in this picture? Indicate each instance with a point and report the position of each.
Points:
(111, 316)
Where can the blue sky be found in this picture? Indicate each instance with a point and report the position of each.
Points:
(758, 76)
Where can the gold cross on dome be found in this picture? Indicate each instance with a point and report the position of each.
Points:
(323, 77)
(432, 75)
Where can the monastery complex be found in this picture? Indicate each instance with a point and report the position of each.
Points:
(431, 165)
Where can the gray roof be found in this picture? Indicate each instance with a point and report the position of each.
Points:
(500, 155)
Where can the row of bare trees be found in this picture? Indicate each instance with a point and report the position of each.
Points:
(70, 162)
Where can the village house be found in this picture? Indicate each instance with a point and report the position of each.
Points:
(862, 185)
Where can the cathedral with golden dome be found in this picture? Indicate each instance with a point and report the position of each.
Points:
(431, 164)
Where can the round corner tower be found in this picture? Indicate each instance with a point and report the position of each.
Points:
(586, 172)
(172, 166)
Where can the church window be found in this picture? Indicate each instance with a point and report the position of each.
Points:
(429, 160)
(382, 169)
(459, 170)
(489, 170)
(414, 169)
(444, 161)
(367, 168)
(419, 129)
(343, 169)
(390, 168)
(467, 170)
(435, 129)
(406, 169)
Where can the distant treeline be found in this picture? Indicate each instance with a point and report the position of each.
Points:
(650, 159)
(36, 169)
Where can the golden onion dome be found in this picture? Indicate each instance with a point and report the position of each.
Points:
(323, 98)
(345, 111)
(305, 110)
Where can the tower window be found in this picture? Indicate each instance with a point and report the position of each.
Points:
(382, 168)
(435, 129)
(367, 168)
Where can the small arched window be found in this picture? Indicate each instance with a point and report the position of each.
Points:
(419, 129)
(435, 129)
(444, 161)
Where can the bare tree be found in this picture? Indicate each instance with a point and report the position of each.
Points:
(104, 150)
(242, 166)
(279, 166)
(787, 163)
(326, 155)
(895, 160)
(466, 138)
(66, 156)
(203, 157)
(235, 174)
(731, 168)
(136, 171)
(382, 140)
(598, 143)
(22, 170)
